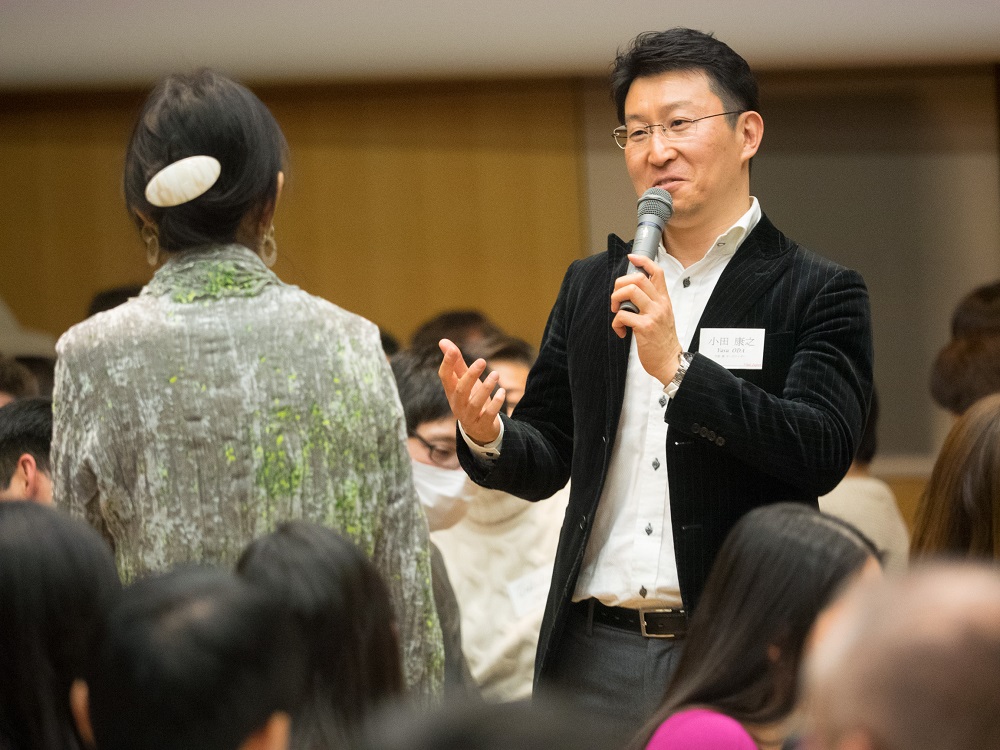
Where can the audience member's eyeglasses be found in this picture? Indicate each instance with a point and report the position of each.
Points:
(678, 129)
(444, 456)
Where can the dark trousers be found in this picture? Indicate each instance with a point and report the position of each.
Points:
(610, 672)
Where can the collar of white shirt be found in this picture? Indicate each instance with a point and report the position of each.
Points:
(726, 243)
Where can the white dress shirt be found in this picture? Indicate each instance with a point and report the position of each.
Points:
(629, 560)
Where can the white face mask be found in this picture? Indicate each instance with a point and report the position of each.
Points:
(444, 493)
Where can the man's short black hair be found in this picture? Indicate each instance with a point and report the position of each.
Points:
(420, 389)
(16, 379)
(503, 348)
(25, 427)
(462, 327)
(680, 49)
(109, 299)
(195, 659)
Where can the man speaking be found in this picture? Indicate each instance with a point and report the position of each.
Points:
(743, 378)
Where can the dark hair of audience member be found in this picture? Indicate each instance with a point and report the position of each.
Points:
(16, 380)
(57, 583)
(778, 568)
(342, 606)
(193, 659)
(109, 299)
(205, 113)
(25, 427)
(420, 390)
(966, 370)
(390, 344)
(44, 371)
(502, 348)
(978, 314)
(679, 49)
(968, 367)
(539, 724)
(959, 511)
(461, 327)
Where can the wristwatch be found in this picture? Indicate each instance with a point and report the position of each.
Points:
(683, 362)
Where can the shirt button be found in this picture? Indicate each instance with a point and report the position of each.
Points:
(656, 464)
(663, 400)
(695, 427)
(711, 435)
(720, 441)
(583, 522)
(686, 282)
(703, 432)
(649, 529)
(642, 592)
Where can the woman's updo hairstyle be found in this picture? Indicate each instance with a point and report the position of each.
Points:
(205, 113)
(968, 367)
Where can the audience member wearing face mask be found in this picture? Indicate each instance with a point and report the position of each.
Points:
(498, 548)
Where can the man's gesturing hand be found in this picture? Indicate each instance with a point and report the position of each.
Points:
(470, 399)
(653, 327)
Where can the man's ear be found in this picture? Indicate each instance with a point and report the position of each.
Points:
(19, 486)
(32, 483)
(27, 468)
(272, 736)
(79, 705)
(751, 130)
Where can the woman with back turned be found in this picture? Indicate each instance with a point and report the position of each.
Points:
(221, 401)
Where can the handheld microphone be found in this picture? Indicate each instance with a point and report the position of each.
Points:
(655, 209)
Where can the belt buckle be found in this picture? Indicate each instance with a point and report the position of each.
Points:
(642, 621)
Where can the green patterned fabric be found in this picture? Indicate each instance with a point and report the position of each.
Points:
(220, 402)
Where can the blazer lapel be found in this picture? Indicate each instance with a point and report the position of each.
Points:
(618, 349)
(758, 262)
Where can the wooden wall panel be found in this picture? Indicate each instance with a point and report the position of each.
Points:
(401, 200)
(65, 233)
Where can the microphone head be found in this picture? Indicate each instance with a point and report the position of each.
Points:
(656, 201)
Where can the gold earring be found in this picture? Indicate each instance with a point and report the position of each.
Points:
(151, 237)
(268, 247)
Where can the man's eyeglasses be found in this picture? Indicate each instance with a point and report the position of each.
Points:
(678, 129)
(445, 457)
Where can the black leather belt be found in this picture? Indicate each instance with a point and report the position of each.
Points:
(652, 623)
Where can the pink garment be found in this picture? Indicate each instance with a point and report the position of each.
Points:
(701, 729)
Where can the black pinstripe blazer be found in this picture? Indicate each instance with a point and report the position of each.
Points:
(736, 439)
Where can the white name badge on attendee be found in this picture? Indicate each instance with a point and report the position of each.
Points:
(528, 592)
(734, 348)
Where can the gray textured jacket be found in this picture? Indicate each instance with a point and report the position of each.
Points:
(221, 402)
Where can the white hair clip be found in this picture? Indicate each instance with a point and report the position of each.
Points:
(183, 181)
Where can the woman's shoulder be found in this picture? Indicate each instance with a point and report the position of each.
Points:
(701, 729)
(310, 306)
(105, 328)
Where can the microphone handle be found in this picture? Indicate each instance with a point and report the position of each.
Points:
(628, 305)
(647, 242)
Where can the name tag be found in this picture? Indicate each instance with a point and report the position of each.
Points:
(528, 592)
(734, 348)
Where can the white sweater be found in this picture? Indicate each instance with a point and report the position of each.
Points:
(499, 559)
(869, 504)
